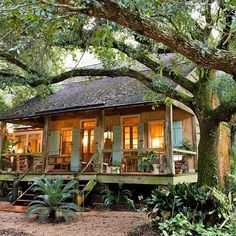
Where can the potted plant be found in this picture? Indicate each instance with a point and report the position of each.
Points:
(115, 168)
(187, 145)
(151, 160)
(6, 164)
(108, 169)
(154, 159)
(9, 146)
(145, 165)
(155, 168)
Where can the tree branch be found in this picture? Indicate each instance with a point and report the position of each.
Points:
(12, 78)
(11, 59)
(208, 18)
(155, 66)
(194, 50)
(162, 88)
(225, 38)
(224, 111)
(150, 44)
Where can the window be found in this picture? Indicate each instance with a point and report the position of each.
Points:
(130, 132)
(21, 146)
(29, 142)
(66, 142)
(34, 144)
(88, 133)
(156, 135)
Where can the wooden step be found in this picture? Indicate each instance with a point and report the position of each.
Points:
(82, 185)
(30, 195)
(24, 200)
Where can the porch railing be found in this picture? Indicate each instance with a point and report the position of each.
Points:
(22, 162)
(135, 160)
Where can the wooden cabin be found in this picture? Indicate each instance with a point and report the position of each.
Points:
(105, 127)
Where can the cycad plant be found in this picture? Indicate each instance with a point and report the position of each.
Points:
(51, 204)
(111, 198)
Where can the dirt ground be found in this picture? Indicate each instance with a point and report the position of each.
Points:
(90, 223)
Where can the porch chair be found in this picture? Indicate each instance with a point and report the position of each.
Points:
(107, 157)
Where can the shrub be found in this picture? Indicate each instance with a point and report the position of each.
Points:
(180, 226)
(195, 203)
(111, 198)
(51, 205)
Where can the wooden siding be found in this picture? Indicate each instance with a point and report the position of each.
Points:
(73, 121)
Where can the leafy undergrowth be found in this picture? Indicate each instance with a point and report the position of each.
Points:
(185, 210)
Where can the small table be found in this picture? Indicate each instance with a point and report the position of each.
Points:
(131, 161)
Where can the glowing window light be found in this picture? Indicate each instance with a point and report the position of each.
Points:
(10, 130)
(156, 143)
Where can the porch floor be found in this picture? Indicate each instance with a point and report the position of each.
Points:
(124, 178)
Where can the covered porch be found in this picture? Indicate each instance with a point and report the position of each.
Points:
(119, 153)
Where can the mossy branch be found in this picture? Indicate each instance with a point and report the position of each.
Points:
(194, 50)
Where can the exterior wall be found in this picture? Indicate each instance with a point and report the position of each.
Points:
(113, 118)
(69, 121)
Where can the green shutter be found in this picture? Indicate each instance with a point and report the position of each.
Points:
(75, 151)
(54, 143)
(177, 134)
(116, 147)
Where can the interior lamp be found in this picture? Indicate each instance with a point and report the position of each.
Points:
(19, 151)
(108, 134)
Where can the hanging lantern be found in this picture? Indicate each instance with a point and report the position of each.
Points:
(108, 134)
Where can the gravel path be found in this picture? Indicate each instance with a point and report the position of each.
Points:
(93, 223)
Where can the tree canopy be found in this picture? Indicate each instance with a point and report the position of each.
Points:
(36, 34)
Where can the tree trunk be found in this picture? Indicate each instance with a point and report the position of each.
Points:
(208, 171)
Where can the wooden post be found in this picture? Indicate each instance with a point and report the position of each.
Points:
(169, 139)
(100, 140)
(2, 140)
(195, 144)
(15, 188)
(45, 145)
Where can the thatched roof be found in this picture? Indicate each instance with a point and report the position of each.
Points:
(84, 95)
(77, 96)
